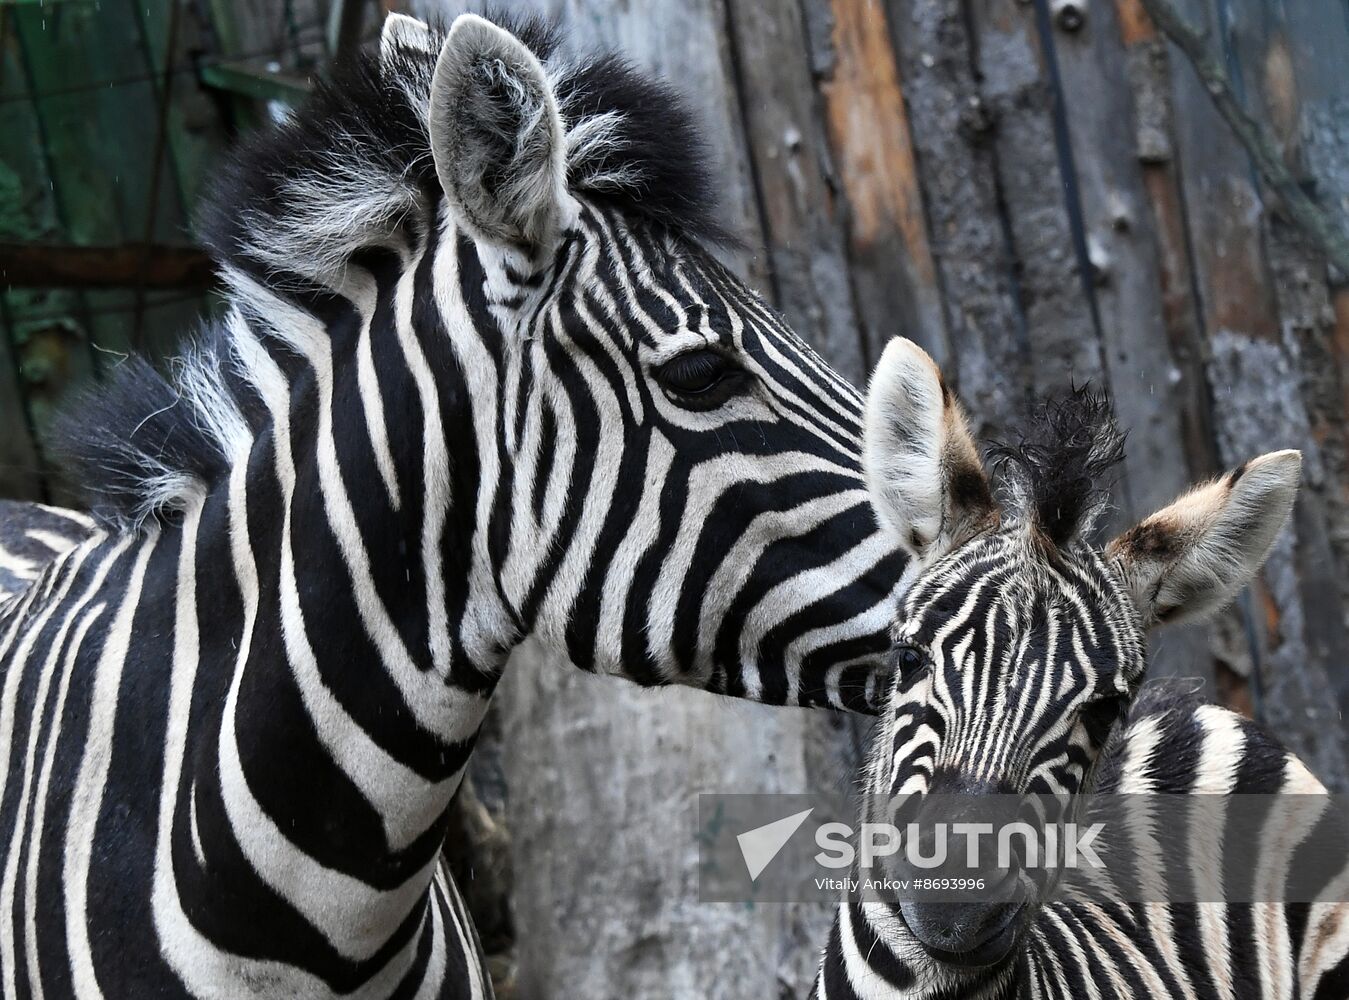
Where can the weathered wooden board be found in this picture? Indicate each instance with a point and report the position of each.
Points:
(803, 229)
(1037, 194)
(877, 179)
(1294, 658)
(951, 130)
(1290, 59)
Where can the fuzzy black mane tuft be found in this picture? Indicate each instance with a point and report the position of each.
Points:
(1060, 471)
(135, 446)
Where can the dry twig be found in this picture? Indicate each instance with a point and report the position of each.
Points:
(1328, 234)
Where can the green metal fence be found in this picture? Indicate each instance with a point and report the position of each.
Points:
(111, 113)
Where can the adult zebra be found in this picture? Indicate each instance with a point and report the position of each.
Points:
(476, 381)
(1019, 647)
(31, 536)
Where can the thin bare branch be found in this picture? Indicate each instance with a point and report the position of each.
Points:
(1328, 232)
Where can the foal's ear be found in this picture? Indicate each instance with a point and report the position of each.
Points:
(497, 137)
(1189, 559)
(922, 469)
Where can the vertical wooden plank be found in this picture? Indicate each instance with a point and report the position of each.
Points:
(1035, 187)
(1149, 80)
(803, 223)
(952, 134)
(1340, 348)
(1304, 86)
(1123, 247)
(892, 265)
(1255, 383)
(1275, 61)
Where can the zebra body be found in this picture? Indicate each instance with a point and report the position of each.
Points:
(1020, 654)
(31, 536)
(477, 382)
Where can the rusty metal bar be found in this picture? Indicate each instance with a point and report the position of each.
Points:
(41, 265)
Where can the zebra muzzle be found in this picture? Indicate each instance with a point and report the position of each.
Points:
(968, 935)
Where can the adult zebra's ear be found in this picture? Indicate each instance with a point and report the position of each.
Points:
(497, 137)
(923, 471)
(1189, 559)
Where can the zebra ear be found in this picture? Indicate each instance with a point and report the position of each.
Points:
(497, 137)
(923, 471)
(1189, 559)
(404, 34)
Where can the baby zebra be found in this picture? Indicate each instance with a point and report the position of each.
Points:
(1020, 648)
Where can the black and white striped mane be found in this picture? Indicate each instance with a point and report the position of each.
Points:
(349, 169)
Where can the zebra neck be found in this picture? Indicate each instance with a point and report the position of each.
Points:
(353, 701)
(384, 456)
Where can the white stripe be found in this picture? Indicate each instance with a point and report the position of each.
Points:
(364, 298)
(86, 797)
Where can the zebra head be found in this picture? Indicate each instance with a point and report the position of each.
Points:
(1019, 643)
(636, 460)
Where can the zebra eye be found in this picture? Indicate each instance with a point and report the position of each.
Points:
(909, 659)
(700, 379)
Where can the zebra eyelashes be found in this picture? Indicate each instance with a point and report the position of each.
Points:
(701, 380)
